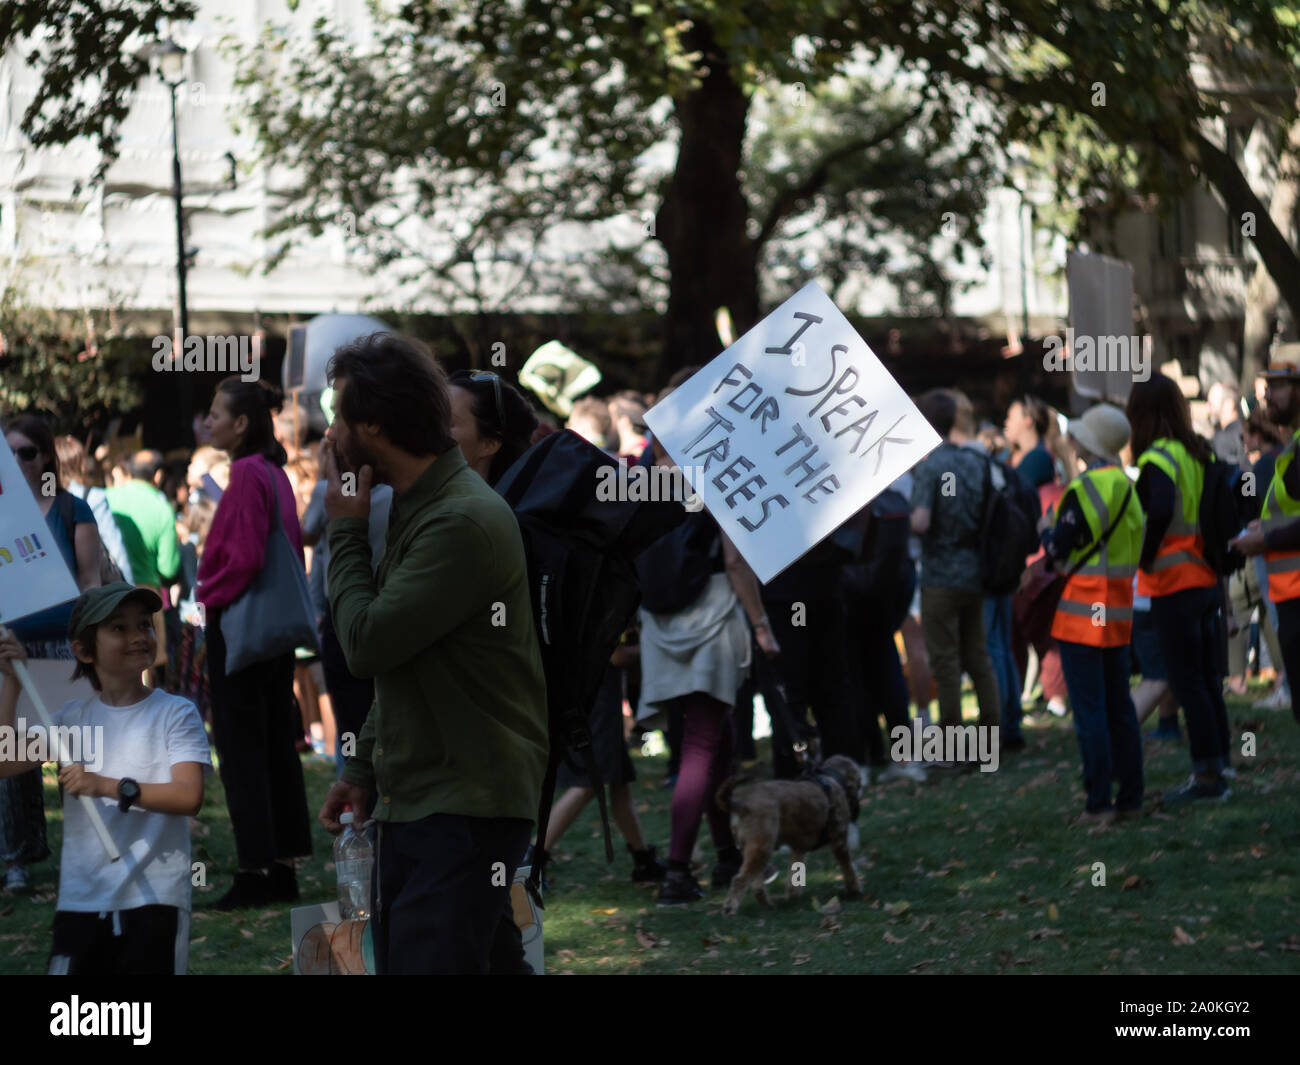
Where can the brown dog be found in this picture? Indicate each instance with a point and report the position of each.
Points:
(804, 814)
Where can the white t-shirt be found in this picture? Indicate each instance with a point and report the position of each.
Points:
(142, 741)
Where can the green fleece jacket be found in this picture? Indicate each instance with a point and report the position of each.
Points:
(445, 628)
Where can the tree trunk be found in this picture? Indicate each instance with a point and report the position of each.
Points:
(701, 223)
(1277, 255)
(1262, 295)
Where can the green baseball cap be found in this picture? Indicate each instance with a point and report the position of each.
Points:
(97, 604)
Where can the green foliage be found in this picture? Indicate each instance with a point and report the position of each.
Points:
(867, 178)
(90, 55)
(78, 377)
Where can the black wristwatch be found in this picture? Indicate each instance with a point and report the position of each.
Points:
(128, 792)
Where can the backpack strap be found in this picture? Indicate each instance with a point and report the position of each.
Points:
(1104, 538)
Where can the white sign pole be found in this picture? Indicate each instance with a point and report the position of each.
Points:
(34, 577)
(92, 810)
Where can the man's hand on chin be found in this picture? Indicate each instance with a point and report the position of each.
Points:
(347, 494)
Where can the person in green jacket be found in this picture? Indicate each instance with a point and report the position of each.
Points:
(453, 753)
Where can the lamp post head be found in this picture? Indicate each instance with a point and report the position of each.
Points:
(170, 59)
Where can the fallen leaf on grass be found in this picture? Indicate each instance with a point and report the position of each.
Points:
(890, 938)
(646, 939)
(832, 907)
(921, 965)
(1053, 914)
(801, 959)
(246, 933)
(1131, 882)
(1043, 933)
(613, 910)
(1181, 938)
(896, 908)
(1258, 850)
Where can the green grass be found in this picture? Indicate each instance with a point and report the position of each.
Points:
(978, 873)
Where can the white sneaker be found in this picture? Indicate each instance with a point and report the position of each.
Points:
(16, 880)
(1229, 773)
(1057, 708)
(1278, 699)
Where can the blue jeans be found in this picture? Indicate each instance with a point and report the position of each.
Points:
(1189, 625)
(997, 630)
(1110, 742)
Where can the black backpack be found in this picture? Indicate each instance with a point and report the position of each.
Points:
(581, 552)
(1009, 529)
(675, 569)
(1220, 517)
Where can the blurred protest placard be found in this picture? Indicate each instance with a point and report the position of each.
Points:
(33, 574)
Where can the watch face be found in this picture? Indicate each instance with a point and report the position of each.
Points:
(130, 790)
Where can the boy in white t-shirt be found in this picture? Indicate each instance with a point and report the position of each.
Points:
(149, 754)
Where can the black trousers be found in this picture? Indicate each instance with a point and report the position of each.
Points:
(1189, 625)
(814, 666)
(139, 942)
(1288, 635)
(441, 896)
(255, 726)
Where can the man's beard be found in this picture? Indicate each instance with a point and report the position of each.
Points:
(356, 455)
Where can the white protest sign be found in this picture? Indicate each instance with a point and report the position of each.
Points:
(33, 574)
(791, 431)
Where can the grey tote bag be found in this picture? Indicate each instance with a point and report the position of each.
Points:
(274, 615)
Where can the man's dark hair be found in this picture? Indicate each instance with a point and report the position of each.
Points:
(939, 408)
(394, 382)
(144, 465)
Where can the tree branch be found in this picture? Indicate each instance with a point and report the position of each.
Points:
(790, 198)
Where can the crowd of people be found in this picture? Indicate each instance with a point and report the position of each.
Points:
(433, 709)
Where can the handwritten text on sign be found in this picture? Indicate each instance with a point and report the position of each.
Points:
(791, 431)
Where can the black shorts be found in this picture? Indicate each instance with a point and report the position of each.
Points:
(147, 941)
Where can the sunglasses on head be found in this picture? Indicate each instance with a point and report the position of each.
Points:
(28, 452)
(487, 375)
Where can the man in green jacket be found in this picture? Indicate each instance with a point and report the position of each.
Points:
(453, 752)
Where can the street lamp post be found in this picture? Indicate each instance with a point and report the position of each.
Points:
(171, 67)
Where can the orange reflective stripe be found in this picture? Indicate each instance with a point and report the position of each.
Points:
(1283, 575)
(1095, 610)
(1179, 564)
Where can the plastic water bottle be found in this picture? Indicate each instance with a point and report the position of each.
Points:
(353, 859)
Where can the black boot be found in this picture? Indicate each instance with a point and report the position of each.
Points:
(679, 886)
(646, 868)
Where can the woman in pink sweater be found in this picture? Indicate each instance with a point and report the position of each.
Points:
(255, 723)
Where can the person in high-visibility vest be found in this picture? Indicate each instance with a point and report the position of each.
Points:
(1094, 619)
(1276, 535)
(1186, 600)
